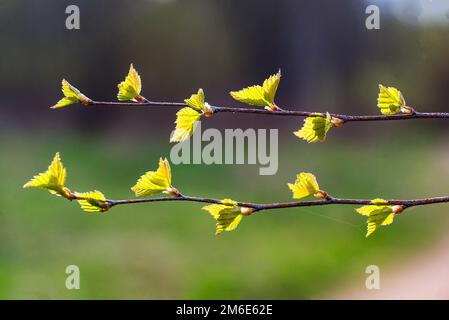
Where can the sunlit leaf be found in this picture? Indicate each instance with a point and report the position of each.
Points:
(304, 186)
(252, 95)
(53, 179)
(270, 86)
(378, 213)
(154, 181)
(315, 127)
(196, 101)
(227, 214)
(262, 96)
(186, 122)
(390, 100)
(130, 88)
(93, 201)
(71, 95)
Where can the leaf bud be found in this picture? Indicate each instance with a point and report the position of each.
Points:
(320, 195)
(407, 110)
(208, 111)
(337, 122)
(397, 209)
(172, 191)
(272, 107)
(245, 211)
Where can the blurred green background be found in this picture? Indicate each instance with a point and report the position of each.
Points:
(330, 62)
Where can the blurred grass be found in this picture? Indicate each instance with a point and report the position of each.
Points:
(168, 250)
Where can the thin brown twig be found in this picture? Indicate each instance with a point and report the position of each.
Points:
(282, 112)
(329, 200)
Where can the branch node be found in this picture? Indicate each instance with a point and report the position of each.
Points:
(245, 211)
(140, 99)
(321, 195)
(397, 209)
(337, 122)
(172, 191)
(408, 110)
(272, 107)
(208, 110)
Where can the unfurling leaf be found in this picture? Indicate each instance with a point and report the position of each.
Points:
(155, 181)
(53, 179)
(315, 127)
(227, 214)
(390, 100)
(186, 118)
(186, 122)
(130, 88)
(71, 95)
(262, 96)
(304, 186)
(93, 201)
(270, 86)
(197, 102)
(252, 95)
(378, 213)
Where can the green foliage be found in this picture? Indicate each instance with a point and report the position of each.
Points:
(227, 214)
(304, 186)
(71, 95)
(154, 181)
(186, 118)
(390, 100)
(197, 102)
(92, 202)
(261, 96)
(130, 88)
(34, 215)
(379, 214)
(186, 122)
(52, 180)
(315, 128)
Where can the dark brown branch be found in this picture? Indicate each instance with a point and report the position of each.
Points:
(329, 200)
(283, 112)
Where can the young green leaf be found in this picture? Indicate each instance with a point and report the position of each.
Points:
(71, 95)
(186, 118)
(378, 213)
(130, 88)
(270, 86)
(227, 214)
(186, 122)
(253, 95)
(304, 186)
(262, 96)
(197, 102)
(52, 180)
(315, 127)
(390, 100)
(93, 201)
(155, 181)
